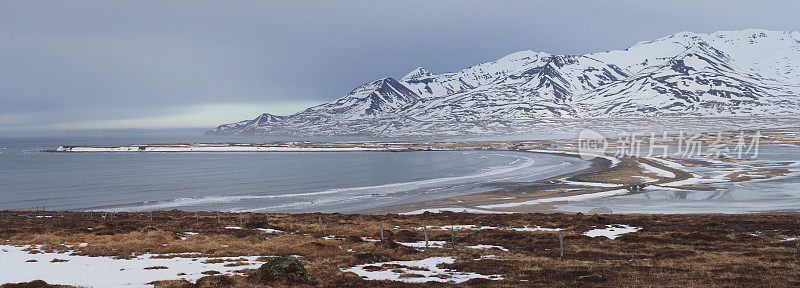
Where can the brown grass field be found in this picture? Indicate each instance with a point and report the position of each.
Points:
(670, 250)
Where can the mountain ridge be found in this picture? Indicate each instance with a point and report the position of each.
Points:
(722, 74)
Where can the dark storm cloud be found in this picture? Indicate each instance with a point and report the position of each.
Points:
(73, 61)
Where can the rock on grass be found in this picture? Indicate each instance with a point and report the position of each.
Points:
(285, 268)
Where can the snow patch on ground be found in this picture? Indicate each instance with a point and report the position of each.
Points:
(658, 171)
(457, 227)
(484, 246)
(535, 229)
(421, 244)
(612, 231)
(270, 231)
(105, 271)
(431, 271)
(558, 199)
(463, 227)
(473, 227)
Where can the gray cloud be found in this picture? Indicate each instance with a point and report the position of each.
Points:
(105, 60)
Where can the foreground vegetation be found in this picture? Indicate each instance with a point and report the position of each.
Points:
(669, 250)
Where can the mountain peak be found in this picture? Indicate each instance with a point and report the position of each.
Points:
(382, 83)
(519, 55)
(420, 72)
(267, 118)
(377, 98)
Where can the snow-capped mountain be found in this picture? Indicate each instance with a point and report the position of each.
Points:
(379, 98)
(722, 74)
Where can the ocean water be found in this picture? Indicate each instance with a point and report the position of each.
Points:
(31, 177)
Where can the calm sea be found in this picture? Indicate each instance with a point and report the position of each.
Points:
(31, 177)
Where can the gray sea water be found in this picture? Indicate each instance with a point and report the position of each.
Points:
(31, 177)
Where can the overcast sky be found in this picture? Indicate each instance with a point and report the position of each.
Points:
(170, 64)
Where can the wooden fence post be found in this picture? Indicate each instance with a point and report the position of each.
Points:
(561, 243)
(266, 219)
(196, 217)
(240, 219)
(321, 231)
(219, 220)
(151, 216)
(797, 246)
(381, 231)
(453, 236)
(425, 229)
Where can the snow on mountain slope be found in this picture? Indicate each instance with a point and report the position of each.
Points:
(701, 80)
(375, 99)
(379, 98)
(472, 77)
(263, 120)
(415, 74)
(723, 74)
(544, 90)
(771, 54)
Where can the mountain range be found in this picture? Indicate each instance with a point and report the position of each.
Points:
(747, 73)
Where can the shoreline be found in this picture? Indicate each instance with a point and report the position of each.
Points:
(544, 193)
(597, 164)
(605, 177)
(539, 196)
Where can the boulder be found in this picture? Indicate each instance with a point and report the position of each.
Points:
(593, 278)
(285, 268)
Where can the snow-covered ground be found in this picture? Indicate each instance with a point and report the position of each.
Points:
(485, 246)
(612, 231)
(19, 266)
(269, 231)
(535, 229)
(474, 227)
(425, 270)
(658, 171)
(421, 244)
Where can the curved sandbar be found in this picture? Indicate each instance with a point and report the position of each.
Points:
(597, 181)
